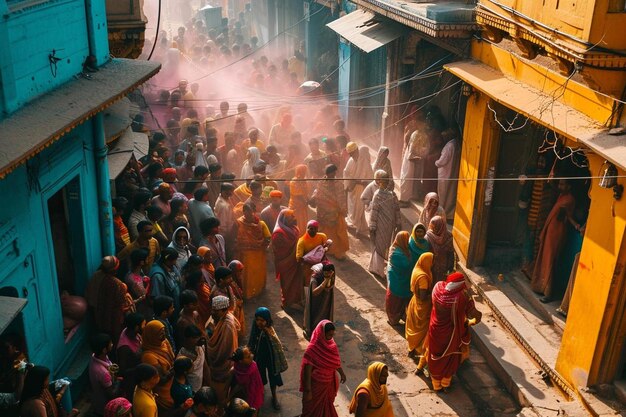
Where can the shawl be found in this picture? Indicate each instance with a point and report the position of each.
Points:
(292, 232)
(401, 242)
(152, 344)
(256, 334)
(382, 162)
(253, 158)
(250, 235)
(417, 246)
(248, 376)
(183, 251)
(371, 384)
(321, 354)
(429, 211)
(221, 345)
(361, 169)
(422, 269)
(330, 200)
(438, 236)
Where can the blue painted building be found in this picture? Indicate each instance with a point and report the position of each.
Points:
(56, 80)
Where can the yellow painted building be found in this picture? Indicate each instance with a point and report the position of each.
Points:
(561, 66)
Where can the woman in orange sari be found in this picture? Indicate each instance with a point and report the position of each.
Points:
(253, 238)
(157, 351)
(330, 200)
(299, 194)
(418, 311)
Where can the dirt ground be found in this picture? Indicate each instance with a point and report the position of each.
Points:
(363, 336)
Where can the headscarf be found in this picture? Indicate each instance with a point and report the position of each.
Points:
(424, 267)
(438, 234)
(401, 242)
(117, 407)
(301, 171)
(314, 223)
(371, 384)
(381, 159)
(169, 175)
(418, 245)
(265, 314)
(321, 353)
(455, 282)
(152, 343)
(255, 332)
(429, 211)
(292, 231)
(255, 155)
(183, 251)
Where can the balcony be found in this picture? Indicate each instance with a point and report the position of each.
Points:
(126, 25)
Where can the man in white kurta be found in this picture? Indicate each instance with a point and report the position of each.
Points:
(359, 170)
(448, 167)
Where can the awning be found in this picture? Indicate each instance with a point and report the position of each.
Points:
(116, 119)
(10, 307)
(35, 126)
(366, 30)
(130, 143)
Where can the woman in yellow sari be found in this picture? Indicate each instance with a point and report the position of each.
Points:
(418, 311)
(253, 237)
(157, 351)
(370, 398)
(299, 194)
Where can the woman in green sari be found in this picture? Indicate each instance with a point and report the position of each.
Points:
(418, 243)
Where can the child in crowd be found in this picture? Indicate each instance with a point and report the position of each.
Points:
(181, 388)
(247, 379)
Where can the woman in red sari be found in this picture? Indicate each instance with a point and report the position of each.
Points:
(318, 373)
(452, 314)
(284, 242)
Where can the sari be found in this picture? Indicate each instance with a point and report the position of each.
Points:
(379, 404)
(319, 307)
(251, 246)
(418, 311)
(323, 356)
(551, 242)
(382, 162)
(330, 200)
(440, 240)
(220, 347)
(284, 243)
(113, 303)
(358, 171)
(384, 221)
(418, 246)
(398, 282)
(429, 211)
(448, 330)
(158, 353)
(299, 196)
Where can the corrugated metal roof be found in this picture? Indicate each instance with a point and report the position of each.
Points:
(366, 30)
(543, 108)
(35, 126)
(130, 143)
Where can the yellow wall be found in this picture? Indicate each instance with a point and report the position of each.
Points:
(600, 265)
(586, 20)
(476, 152)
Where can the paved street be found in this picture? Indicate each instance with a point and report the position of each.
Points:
(363, 336)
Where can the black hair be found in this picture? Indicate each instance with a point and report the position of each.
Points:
(200, 193)
(169, 254)
(209, 224)
(200, 170)
(330, 168)
(138, 255)
(250, 206)
(133, 319)
(34, 382)
(153, 168)
(214, 167)
(141, 198)
(205, 396)
(161, 303)
(192, 331)
(329, 326)
(144, 372)
(98, 342)
(255, 185)
(181, 365)
(328, 267)
(143, 224)
(188, 297)
(119, 203)
(226, 186)
(194, 260)
(237, 354)
(175, 205)
(154, 212)
(194, 278)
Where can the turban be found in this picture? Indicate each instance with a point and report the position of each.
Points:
(117, 407)
(220, 302)
(455, 277)
(276, 193)
(169, 172)
(351, 147)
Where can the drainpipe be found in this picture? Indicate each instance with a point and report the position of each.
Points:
(97, 31)
(105, 214)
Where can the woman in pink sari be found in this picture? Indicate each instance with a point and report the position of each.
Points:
(284, 242)
(318, 373)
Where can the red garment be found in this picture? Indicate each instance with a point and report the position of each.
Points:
(447, 330)
(249, 378)
(323, 356)
(287, 270)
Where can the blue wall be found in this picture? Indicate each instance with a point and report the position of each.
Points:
(66, 26)
(25, 222)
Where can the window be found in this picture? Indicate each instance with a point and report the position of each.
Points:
(617, 6)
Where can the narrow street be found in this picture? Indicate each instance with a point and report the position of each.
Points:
(363, 336)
